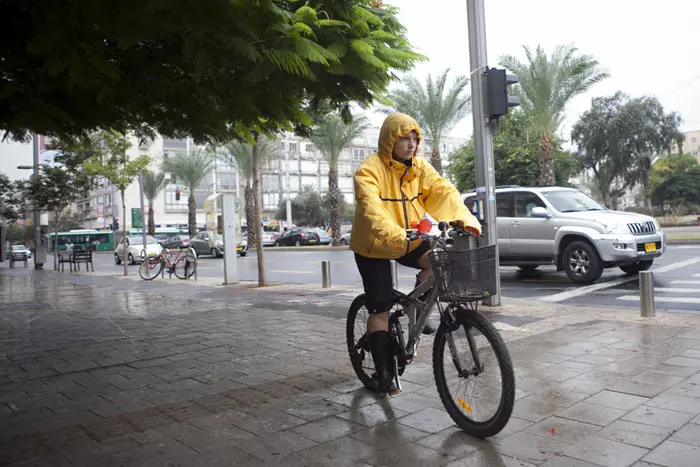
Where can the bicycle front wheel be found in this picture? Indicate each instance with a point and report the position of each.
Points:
(150, 268)
(474, 373)
(186, 265)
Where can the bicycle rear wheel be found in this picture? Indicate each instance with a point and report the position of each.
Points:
(150, 268)
(186, 265)
(481, 356)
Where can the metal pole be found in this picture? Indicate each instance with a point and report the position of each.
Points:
(646, 294)
(483, 143)
(143, 229)
(39, 256)
(326, 274)
(288, 201)
(395, 274)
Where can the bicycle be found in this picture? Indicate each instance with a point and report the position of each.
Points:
(183, 266)
(461, 278)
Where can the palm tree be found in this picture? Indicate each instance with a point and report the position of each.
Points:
(436, 109)
(152, 184)
(547, 85)
(330, 137)
(191, 169)
(242, 155)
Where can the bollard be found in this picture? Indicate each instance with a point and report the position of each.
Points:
(395, 274)
(646, 294)
(326, 273)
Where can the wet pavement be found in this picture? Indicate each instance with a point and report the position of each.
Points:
(106, 371)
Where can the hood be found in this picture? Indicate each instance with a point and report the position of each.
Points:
(394, 127)
(609, 217)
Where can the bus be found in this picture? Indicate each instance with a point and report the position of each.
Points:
(83, 239)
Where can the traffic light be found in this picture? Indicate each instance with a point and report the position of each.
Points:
(497, 96)
(177, 194)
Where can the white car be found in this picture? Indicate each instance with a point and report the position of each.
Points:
(134, 249)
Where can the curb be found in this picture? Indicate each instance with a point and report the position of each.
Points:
(683, 241)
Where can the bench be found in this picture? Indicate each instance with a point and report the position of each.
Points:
(83, 256)
(19, 257)
(65, 257)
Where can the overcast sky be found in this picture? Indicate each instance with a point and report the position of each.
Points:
(648, 47)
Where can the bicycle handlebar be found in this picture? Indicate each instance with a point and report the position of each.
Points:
(414, 234)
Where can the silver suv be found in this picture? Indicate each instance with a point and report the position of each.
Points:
(565, 227)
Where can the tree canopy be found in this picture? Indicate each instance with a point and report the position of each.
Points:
(210, 70)
(619, 138)
(516, 157)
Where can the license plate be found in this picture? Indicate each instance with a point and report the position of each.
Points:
(312, 241)
(650, 247)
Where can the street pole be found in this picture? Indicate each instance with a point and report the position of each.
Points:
(143, 229)
(288, 201)
(38, 251)
(483, 141)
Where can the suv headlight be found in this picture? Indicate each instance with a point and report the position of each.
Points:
(657, 226)
(615, 228)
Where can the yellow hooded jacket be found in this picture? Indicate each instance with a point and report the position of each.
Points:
(391, 196)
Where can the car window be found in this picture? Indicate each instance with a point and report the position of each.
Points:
(200, 236)
(504, 204)
(572, 201)
(525, 202)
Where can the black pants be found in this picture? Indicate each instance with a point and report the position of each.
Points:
(376, 277)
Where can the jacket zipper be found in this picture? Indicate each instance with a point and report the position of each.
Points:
(405, 211)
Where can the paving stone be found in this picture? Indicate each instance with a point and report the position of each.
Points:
(617, 400)
(592, 413)
(658, 417)
(327, 429)
(636, 434)
(530, 448)
(689, 434)
(605, 452)
(429, 420)
(563, 429)
(672, 454)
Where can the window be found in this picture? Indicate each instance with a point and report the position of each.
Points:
(693, 140)
(525, 202)
(504, 204)
(270, 183)
(308, 147)
(293, 147)
(358, 154)
(171, 205)
(270, 201)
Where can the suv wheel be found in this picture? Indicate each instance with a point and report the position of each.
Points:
(582, 263)
(638, 266)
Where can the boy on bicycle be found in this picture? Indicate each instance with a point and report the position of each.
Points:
(393, 191)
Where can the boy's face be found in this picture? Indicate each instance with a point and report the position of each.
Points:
(406, 146)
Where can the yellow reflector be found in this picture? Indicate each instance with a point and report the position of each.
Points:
(464, 405)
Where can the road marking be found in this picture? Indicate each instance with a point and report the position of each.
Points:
(295, 272)
(675, 290)
(635, 298)
(686, 282)
(577, 292)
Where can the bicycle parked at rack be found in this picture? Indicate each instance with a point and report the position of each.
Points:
(184, 265)
(461, 279)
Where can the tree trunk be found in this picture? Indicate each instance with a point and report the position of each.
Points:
(151, 219)
(435, 159)
(334, 200)
(250, 216)
(126, 250)
(55, 247)
(192, 215)
(547, 177)
(256, 225)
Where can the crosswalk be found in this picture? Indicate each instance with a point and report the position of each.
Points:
(682, 291)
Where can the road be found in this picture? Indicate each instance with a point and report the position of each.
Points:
(677, 277)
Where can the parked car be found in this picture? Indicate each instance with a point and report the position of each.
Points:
(177, 241)
(345, 238)
(268, 238)
(210, 243)
(19, 249)
(565, 227)
(130, 249)
(298, 237)
(324, 238)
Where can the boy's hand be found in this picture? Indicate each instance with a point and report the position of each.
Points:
(476, 231)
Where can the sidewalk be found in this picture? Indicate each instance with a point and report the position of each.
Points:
(106, 371)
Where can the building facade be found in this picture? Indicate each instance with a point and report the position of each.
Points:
(299, 164)
(691, 145)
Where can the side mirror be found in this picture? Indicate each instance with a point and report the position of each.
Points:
(540, 212)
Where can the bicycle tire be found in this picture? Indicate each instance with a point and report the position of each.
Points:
(189, 268)
(499, 420)
(358, 356)
(152, 272)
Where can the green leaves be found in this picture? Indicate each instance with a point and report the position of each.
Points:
(215, 71)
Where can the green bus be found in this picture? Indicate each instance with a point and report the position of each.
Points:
(83, 239)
